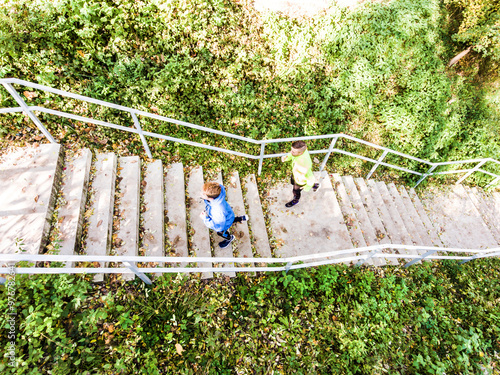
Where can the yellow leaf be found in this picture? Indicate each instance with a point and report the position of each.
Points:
(81, 53)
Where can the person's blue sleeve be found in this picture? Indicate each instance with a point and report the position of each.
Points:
(207, 220)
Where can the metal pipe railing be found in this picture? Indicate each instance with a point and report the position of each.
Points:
(290, 263)
(137, 129)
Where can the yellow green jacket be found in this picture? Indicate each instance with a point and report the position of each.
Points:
(302, 170)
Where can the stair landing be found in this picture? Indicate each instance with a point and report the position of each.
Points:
(315, 225)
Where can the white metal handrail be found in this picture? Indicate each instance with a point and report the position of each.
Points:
(362, 254)
(134, 113)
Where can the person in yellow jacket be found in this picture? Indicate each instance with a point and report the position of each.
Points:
(302, 175)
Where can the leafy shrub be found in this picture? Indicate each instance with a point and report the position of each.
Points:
(479, 26)
(430, 318)
(378, 73)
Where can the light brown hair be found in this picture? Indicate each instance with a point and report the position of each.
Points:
(211, 189)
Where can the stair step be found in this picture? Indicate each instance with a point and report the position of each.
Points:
(242, 246)
(495, 205)
(374, 215)
(129, 207)
(395, 217)
(227, 251)
(74, 197)
(257, 221)
(486, 206)
(368, 231)
(313, 226)
(490, 240)
(201, 236)
(405, 214)
(28, 182)
(352, 223)
(459, 223)
(154, 240)
(391, 229)
(100, 221)
(415, 217)
(429, 227)
(175, 206)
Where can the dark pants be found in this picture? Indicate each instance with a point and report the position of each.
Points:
(296, 188)
(226, 235)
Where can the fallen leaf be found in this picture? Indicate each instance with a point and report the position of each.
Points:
(179, 349)
(30, 94)
(99, 223)
(108, 339)
(102, 142)
(36, 198)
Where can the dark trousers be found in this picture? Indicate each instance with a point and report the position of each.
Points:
(226, 235)
(296, 188)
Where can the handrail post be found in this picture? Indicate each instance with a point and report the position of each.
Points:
(325, 159)
(261, 157)
(143, 139)
(419, 259)
(471, 171)
(425, 175)
(327, 156)
(12, 91)
(477, 256)
(377, 164)
(370, 255)
(492, 183)
(131, 266)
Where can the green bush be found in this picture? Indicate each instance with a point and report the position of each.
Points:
(377, 72)
(479, 25)
(431, 318)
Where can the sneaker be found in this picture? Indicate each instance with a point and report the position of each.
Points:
(293, 202)
(316, 187)
(226, 243)
(244, 218)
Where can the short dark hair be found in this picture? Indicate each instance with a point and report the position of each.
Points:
(298, 144)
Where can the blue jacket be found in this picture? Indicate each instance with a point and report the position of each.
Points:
(220, 215)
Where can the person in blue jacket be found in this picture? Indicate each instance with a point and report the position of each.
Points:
(218, 215)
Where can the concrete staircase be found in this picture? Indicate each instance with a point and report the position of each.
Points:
(107, 205)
